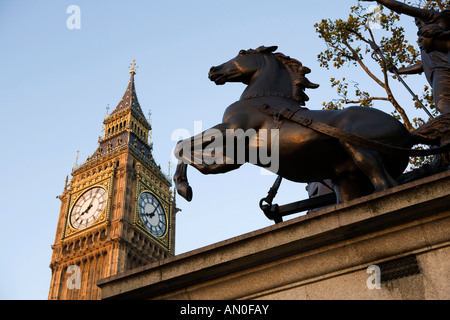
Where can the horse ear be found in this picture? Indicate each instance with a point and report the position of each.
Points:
(272, 49)
(264, 49)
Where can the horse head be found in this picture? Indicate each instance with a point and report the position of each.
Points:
(283, 75)
(241, 68)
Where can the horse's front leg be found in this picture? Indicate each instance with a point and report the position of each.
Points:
(181, 181)
(205, 152)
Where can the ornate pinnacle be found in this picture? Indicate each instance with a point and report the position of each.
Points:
(133, 66)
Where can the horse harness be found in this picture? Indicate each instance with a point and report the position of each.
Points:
(293, 115)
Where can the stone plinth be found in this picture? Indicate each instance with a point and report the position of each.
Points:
(403, 231)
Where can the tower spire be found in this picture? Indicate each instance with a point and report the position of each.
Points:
(126, 126)
(129, 99)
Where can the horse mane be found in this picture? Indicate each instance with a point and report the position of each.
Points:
(297, 72)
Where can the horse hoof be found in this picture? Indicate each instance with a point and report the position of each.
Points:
(185, 190)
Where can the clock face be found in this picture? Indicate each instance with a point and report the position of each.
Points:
(152, 214)
(88, 208)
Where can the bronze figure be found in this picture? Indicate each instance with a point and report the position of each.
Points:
(434, 42)
(277, 82)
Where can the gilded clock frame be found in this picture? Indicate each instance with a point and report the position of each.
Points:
(73, 198)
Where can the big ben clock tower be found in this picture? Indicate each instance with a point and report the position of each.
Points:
(117, 211)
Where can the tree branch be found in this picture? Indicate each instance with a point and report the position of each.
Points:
(363, 66)
(366, 100)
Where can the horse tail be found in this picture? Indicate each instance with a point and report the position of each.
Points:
(429, 152)
(435, 132)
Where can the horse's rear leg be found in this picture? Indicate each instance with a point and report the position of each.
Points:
(349, 187)
(370, 163)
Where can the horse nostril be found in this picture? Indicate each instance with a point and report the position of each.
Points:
(213, 69)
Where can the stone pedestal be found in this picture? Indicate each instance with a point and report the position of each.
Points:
(393, 244)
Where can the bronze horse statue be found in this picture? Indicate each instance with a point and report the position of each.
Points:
(277, 82)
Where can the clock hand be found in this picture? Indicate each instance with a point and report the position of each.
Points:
(151, 214)
(93, 197)
(89, 207)
(90, 203)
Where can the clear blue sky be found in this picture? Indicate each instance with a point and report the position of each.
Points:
(55, 84)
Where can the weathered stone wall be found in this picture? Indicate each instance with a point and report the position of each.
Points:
(403, 231)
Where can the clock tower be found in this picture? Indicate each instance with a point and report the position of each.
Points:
(117, 211)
